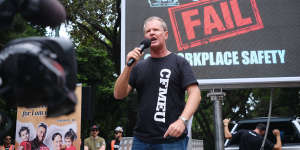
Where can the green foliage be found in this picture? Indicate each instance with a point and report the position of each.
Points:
(95, 29)
(94, 66)
(19, 29)
(96, 23)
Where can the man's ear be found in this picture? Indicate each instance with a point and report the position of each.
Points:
(166, 34)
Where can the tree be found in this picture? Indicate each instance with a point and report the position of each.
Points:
(96, 23)
(19, 29)
(96, 34)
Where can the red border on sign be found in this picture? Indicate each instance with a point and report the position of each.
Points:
(184, 46)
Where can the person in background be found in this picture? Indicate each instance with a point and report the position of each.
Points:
(252, 139)
(7, 145)
(115, 144)
(70, 137)
(24, 133)
(94, 142)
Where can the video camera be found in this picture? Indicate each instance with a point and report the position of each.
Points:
(38, 71)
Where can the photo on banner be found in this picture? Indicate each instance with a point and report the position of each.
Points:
(34, 129)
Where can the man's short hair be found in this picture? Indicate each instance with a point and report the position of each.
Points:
(261, 126)
(163, 23)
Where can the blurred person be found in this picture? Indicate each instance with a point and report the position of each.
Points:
(70, 137)
(252, 139)
(161, 82)
(7, 145)
(38, 142)
(57, 141)
(24, 133)
(94, 142)
(115, 144)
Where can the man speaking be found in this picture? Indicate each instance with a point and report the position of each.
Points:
(161, 81)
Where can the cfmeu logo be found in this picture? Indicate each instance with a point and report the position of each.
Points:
(206, 21)
(163, 3)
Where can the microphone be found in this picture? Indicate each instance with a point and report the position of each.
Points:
(143, 45)
(43, 12)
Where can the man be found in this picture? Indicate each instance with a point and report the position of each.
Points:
(252, 139)
(94, 142)
(37, 143)
(115, 144)
(161, 81)
(7, 144)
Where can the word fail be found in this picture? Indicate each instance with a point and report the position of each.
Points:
(206, 21)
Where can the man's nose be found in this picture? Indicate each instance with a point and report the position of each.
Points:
(152, 32)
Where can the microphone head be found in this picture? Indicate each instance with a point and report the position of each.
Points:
(146, 43)
(44, 12)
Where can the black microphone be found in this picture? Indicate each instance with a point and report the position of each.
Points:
(143, 45)
(43, 12)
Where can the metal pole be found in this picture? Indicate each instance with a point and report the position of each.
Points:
(217, 98)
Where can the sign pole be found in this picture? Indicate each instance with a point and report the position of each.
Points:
(217, 97)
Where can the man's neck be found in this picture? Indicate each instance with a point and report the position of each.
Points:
(159, 53)
(94, 136)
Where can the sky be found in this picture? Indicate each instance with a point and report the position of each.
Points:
(63, 32)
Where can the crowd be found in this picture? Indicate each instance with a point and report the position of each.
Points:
(93, 142)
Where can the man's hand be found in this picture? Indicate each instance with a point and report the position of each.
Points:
(227, 133)
(226, 121)
(278, 145)
(175, 129)
(135, 54)
(276, 132)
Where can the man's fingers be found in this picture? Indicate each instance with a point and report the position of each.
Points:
(167, 133)
(173, 131)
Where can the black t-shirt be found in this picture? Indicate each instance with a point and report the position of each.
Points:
(249, 140)
(161, 85)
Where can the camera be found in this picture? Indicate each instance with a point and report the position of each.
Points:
(38, 71)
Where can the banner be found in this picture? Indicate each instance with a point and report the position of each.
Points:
(229, 43)
(61, 132)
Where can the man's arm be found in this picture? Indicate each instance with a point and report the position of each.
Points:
(278, 144)
(194, 97)
(227, 133)
(122, 88)
(86, 148)
(102, 147)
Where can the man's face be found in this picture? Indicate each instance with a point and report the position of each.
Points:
(154, 30)
(41, 132)
(7, 140)
(94, 132)
(118, 134)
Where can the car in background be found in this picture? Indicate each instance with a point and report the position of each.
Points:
(289, 131)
